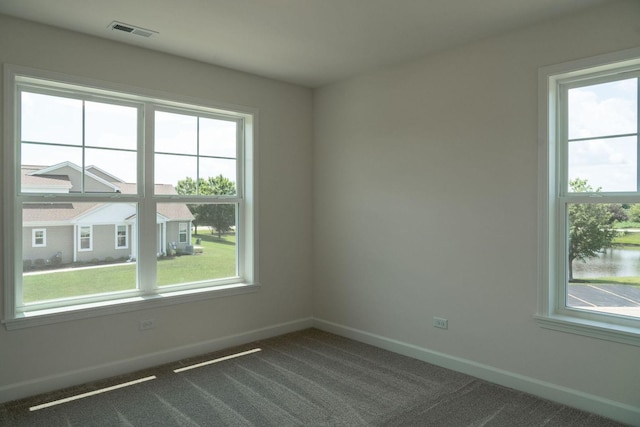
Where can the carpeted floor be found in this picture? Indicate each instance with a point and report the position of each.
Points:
(307, 378)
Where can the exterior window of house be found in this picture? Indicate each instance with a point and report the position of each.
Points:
(39, 237)
(85, 234)
(590, 277)
(93, 159)
(183, 232)
(122, 237)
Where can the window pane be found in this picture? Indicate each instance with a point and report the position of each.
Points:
(122, 233)
(604, 258)
(210, 250)
(169, 170)
(603, 109)
(217, 138)
(194, 148)
(114, 166)
(176, 133)
(211, 169)
(61, 162)
(39, 237)
(183, 233)
(111, 126)
(79, 260)
(51, 119)
(85, 238)
(36, 176)
(609, 164)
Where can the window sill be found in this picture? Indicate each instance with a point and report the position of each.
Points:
(84, 311)
(590, 328)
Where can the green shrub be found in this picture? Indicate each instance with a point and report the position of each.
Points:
(56, 260)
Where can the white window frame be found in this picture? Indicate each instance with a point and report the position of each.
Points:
(184, 232)
(553, 312)
(34, 238)
(147, 295)
(126, 236)
(80, 248)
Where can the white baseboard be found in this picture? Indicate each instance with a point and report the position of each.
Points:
(607, 408)
(66, 379)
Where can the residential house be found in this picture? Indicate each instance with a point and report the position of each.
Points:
(85, 232)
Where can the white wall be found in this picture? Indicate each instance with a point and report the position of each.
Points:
(425, 204)
(40, 358)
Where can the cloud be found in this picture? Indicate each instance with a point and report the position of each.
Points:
(604, 110)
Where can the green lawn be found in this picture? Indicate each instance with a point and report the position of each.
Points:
(627, 239)
(218, 260)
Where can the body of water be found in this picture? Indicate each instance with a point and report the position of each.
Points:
(613, 263)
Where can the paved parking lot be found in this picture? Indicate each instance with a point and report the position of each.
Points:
(621, 299)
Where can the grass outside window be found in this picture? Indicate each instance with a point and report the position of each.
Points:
(216, 261)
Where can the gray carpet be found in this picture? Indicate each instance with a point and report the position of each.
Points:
(308, 378)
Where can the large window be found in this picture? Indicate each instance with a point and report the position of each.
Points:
(173, 179)
(590, 240)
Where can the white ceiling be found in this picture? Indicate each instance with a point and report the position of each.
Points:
(307, 42)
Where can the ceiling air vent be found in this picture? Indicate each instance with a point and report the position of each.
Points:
(131, 29)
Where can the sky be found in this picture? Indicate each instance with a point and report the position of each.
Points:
(604, 110)
(110, 138)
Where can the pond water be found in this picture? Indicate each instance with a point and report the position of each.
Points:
(614, 262)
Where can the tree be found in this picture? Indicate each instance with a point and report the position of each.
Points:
(618, 213)
(188, 186)
(589, 229)
(634, 213)
(219, 216)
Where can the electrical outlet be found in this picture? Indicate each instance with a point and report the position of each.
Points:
(441, 323)
(147, 324)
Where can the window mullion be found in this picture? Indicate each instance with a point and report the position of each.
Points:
(12, 208)
(559, 291)
(563, 137)
(240, 155)
(562, 249)
(638, 134)
(147, 233)
(15, 295)
(198, 155)
(84, 149)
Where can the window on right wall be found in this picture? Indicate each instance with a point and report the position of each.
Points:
(590, 197)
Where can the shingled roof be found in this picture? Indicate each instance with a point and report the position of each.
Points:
(66, 212)
(29, 180)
